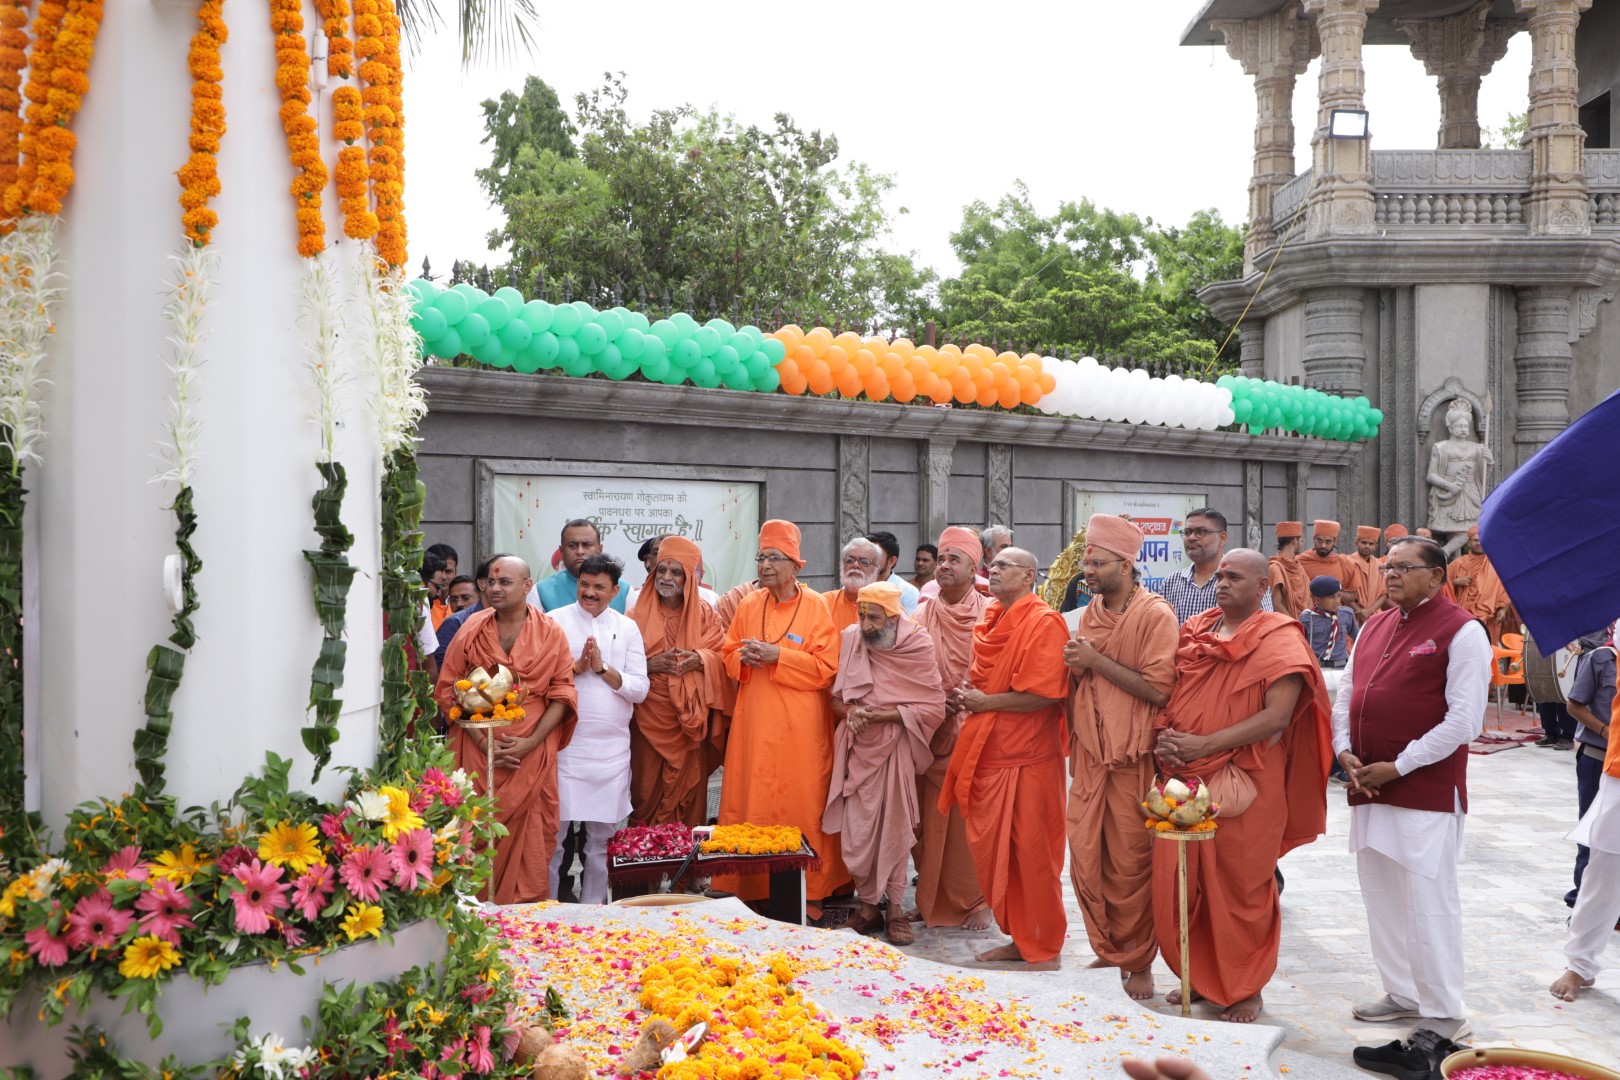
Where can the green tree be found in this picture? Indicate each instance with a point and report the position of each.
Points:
(1510, 136)
(695, 204)
(519, 128)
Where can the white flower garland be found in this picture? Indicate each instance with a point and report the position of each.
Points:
(30, 286)
(318, 309)
(184, 314)
(397, 401)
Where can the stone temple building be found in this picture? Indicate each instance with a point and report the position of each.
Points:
(1468, 293)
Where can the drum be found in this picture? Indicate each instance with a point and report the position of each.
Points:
(1548, 678)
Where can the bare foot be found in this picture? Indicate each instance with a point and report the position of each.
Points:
(1568, 986)
(1174, 996)
(1243, 1012)
(1139, 985)
(914, 915)
(1099, 963)
(1000, 954)
(982, 919)
(1044, 965)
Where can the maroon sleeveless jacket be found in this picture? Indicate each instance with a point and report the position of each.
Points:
(1399, 694)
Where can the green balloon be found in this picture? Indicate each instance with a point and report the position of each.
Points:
(665, 331)
(474, 330)
(492, 352)
(578, 365)
(422, 288)
(774, 350)
(591, 339)
(756, 367)
(538, 314)
(1241, 408)
(769, 381)
(632, 343)
(721, 327)
(708, 340)
(737, 379)
(612, 324)
(526, 362)
(685, 323)
(704, 375)
(609, 360)
(495, 312)
(656, 368)
(686, 354)
(725, 360)
(453, 304)
(511, 298)
(429, 322)
(637, 320)
(673, 377)
(586, 312)
(516, 335)
(544, 348)
(568, 355)
(1255, 429)
(447, 346)
(473, 293)
(566, 321)
(745, 345)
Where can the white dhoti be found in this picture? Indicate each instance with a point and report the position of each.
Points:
(1597, 907)
(1407, 862)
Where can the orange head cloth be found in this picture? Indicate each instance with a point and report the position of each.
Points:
(1394, 532)
(1325, 528)
(781, 535)
(1113, 533)
(881, 594)
(1366, 532)
(1290, 530)
(964, 540)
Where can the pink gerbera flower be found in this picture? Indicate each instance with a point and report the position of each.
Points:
(365, 871)
(262, 894)
(127, 864)
(291, 934)
(442, 787)
(312, 890)
(333, 827)
(412, 859)
(479, 1059)
(165, 907)
(95, 923)
(51, 950)
(231, 858)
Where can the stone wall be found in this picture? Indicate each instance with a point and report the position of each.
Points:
(836, 467)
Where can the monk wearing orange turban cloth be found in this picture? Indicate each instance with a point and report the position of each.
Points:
(889, 700)
(1322, 560)
(510, 631)
(1249, 716)
(1007, 771)
(1123, 659)
(1478, 590)
(1290, 585)
(782, 649)
(947, 888)
(670, 732)
(1369, 582)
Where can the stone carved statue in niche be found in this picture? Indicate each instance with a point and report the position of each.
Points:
(1459, 468)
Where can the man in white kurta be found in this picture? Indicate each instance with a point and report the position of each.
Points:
(1410, 700)
(1597, 905)
(610, 674)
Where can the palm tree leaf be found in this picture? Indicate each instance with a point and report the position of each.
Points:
(488, 29)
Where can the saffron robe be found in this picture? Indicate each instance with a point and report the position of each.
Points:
(779, 752)
(947, 885)
(669, 737)
(1111, 760)
(1335, 565)
(1287, 572)
(1483, 594)
(1234, 919)
(1007, 774)
(525, 797)
(872, 799)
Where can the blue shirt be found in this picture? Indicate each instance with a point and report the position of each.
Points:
(1594, 688)
(909, 594)
(561, 589)
(1330, 642)
(449, 627)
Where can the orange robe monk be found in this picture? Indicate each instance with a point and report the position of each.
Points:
(841, 608)
(1480, 592)
(947, 887)
(669, 736)
(1007, 774)
(1287, 574)
(1235, 921)
(525, 797)
(1333, 565)
(1110, 853)
(779, 753)
(727, 607)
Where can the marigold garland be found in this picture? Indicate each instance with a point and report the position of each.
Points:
(13, 57)
(199, 176)
(75, 45)
(47, 23)
(303, 133)
(339, 48)
(748, 839)
(376, 26)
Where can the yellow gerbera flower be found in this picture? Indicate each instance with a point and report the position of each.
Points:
(147, 956)
(179, 867)
(363, 919)
(290, 845)
(400, 818)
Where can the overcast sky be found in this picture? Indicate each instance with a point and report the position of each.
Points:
(1079, 100)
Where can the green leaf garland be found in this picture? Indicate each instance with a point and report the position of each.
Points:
(12, 499)
(333, 576)
(405, 692)
(166, 665)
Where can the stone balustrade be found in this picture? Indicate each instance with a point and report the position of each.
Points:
(1288, 204)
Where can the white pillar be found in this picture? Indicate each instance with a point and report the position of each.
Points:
(102, 527)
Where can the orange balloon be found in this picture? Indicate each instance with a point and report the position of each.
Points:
(876, 387)
(951, 349)
(1008, 358)
(962, 382)
(941, 391)
(1046, 381)
(804, 356)
(789, 335)
(1031, 394)
(988, 397)
(916, 367)
(795, 385)
(1009, 396)
(823, 385)
(999, 371)
(904, 349)
(927, 353)
(984, 378)
(818, 339)
(903, 388)
(878, 346)
(786, 370)
(943, 365)
(1023, 376)
(818, 373)
(849, 341)
(837, 359)
(849, 383)
(864, 362)
(890, 365)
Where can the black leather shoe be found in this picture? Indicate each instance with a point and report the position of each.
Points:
(1399, 1059)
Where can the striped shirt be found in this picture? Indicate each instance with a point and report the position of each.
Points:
(1190, 598)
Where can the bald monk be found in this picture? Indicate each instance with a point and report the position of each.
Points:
(510, 631)
(948, 891)
(1250, 717)
(1290, 585)
(1123, 659)
(1007, 771)
(889, 701)
(1477, 588)
(782, 649)
(671, 728)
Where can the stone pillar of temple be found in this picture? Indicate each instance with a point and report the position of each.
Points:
(1557, 202)
(1542, 362)
(1252, 348)
(1275, 49)
(934, 493)
(1335, 354)
(1341, 199)
(1460, 51)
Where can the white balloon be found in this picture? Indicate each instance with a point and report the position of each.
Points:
(1088, 363)
(1227, 416)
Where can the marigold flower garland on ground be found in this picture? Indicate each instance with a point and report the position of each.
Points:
(748, 839)
(13, 57)
(303, 133)
(199, 176)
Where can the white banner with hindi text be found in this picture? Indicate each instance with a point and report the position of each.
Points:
(1158, 514)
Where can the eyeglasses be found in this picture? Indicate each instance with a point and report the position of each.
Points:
(864, 564)
(1005, 565)
(771, 558)
(1405, 568)
(1198, 534)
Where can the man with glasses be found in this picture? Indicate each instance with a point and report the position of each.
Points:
(1410, 701)
(1192, 589)
(860, 565)
(1007, 771)
(1123, 660)
(579, 541)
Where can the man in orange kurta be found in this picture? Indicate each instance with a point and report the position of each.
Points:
(1290, 586)
(1477, 588)
(1007, 771)
(1322, 560)
(782, 649)
(671, 729)
(948, 891)
(1250, 717)
(1369, 585)
(534, 648)
(1123, 659)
